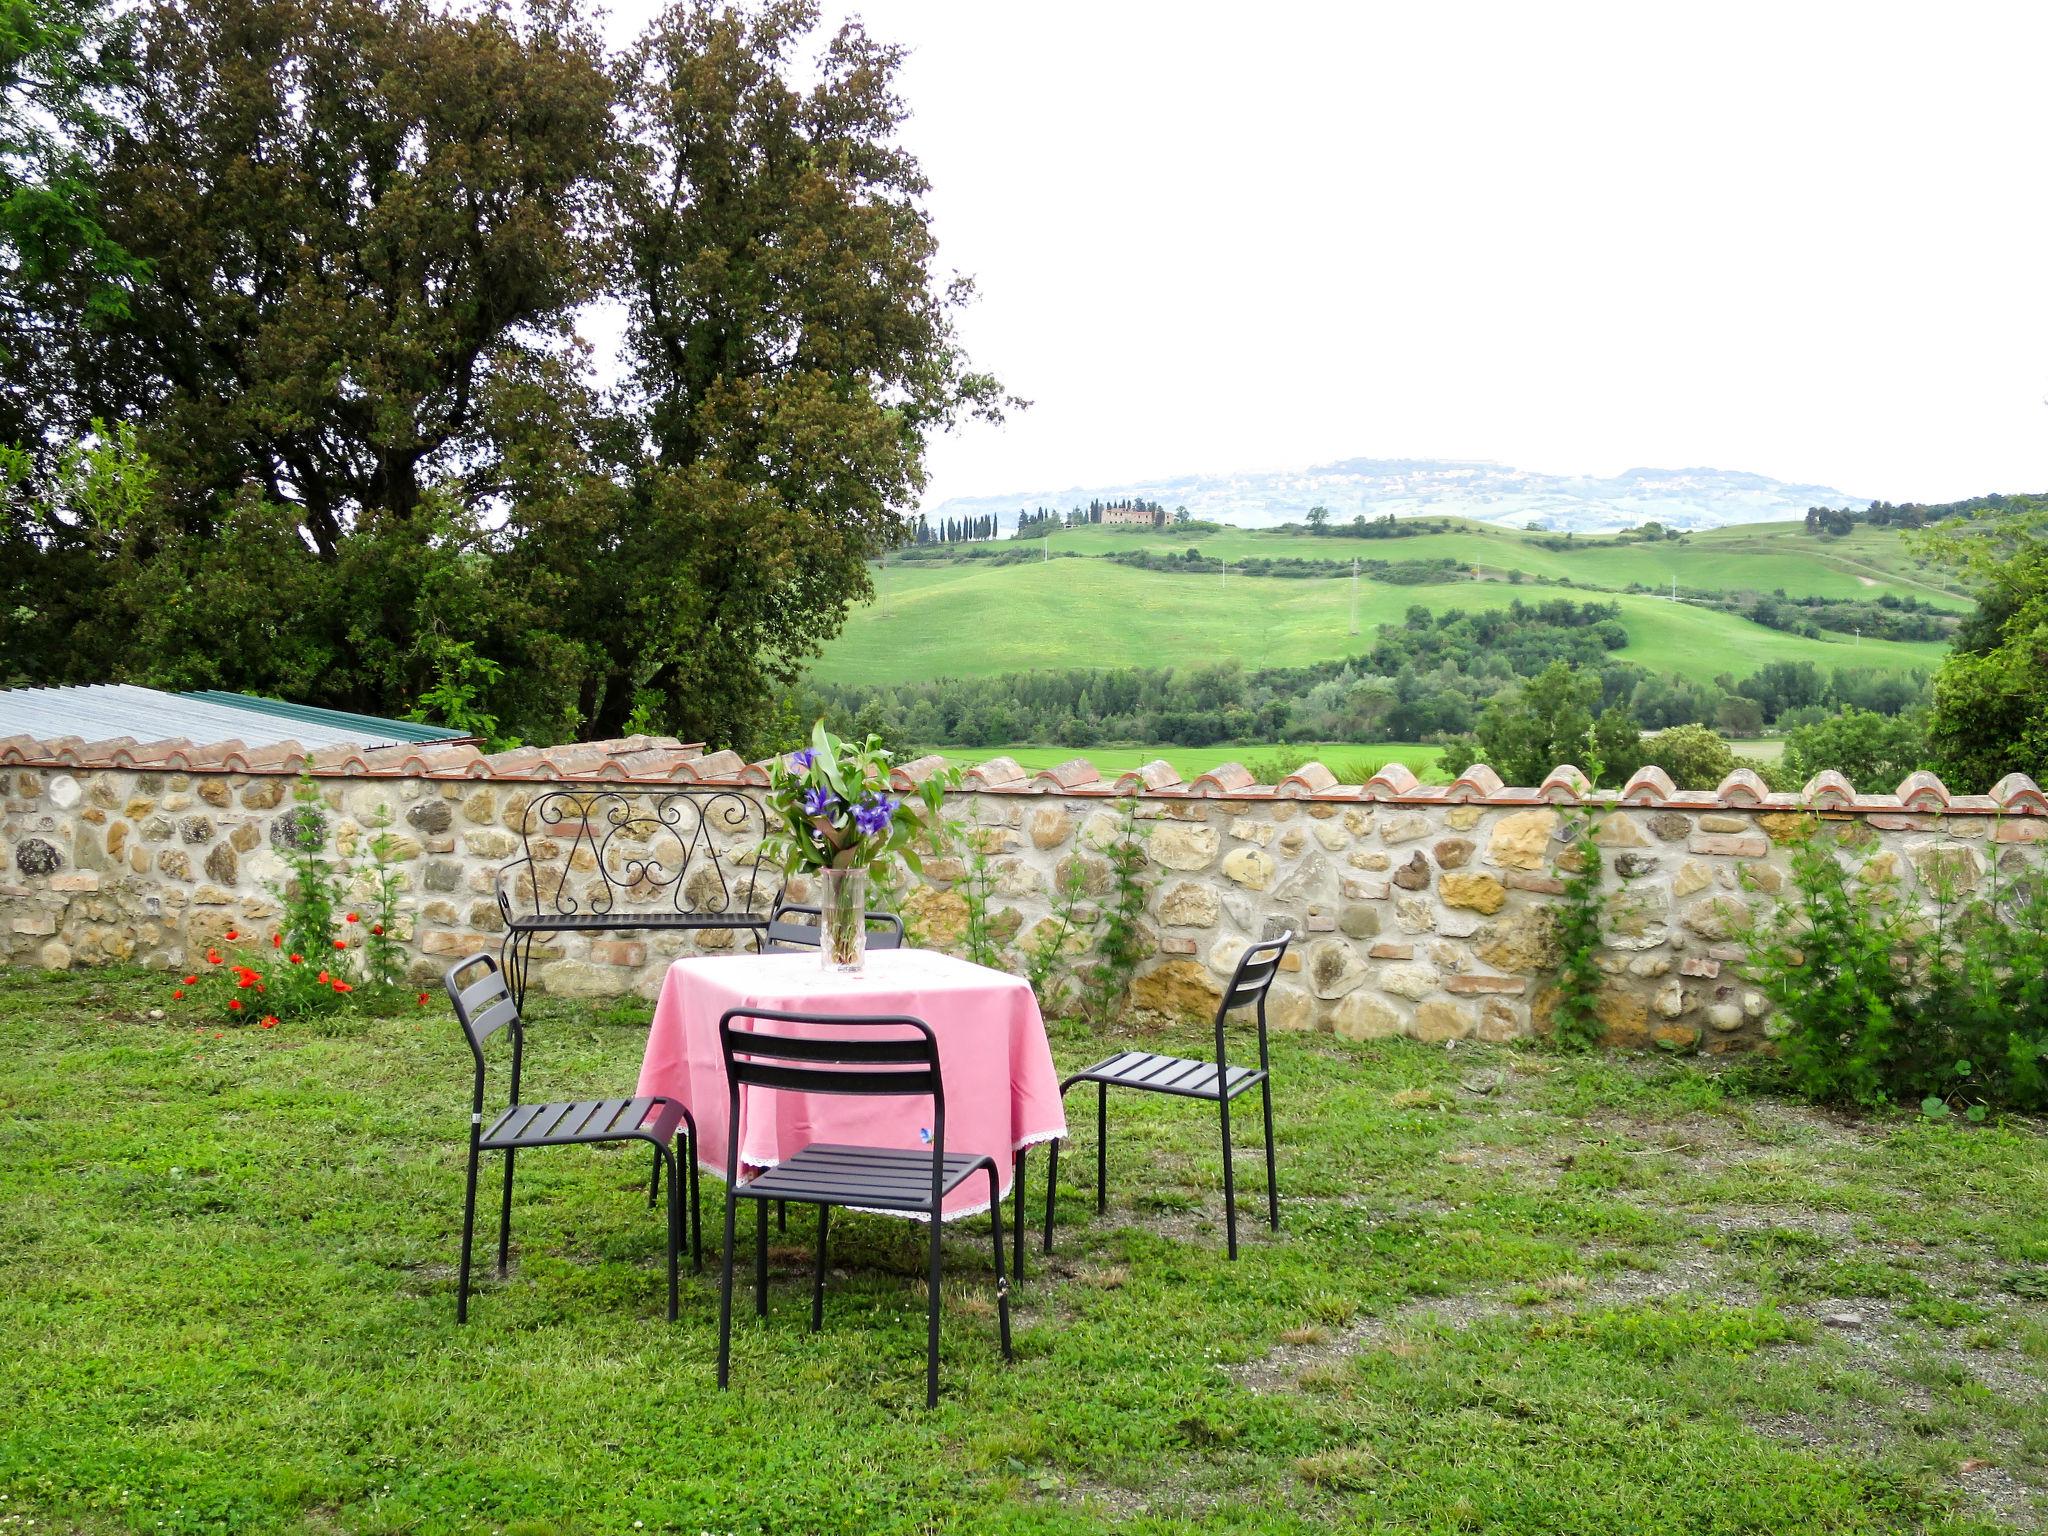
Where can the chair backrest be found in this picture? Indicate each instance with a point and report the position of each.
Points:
(810, 1063)
(792, 926)
(483, 1006)
(1256, 968)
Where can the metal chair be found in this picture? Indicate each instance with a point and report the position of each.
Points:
(788, 932)
(485, 1006)
(912, 1182)
(1215, 1081)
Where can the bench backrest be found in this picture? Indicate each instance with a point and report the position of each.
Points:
(590, 852)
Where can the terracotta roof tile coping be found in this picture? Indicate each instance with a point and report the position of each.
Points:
(1156, 775)
(654, 760)
(1071, 774)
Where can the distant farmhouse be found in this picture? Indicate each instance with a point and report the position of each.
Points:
(1129, 517)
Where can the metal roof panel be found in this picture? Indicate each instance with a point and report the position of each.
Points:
(100, 711)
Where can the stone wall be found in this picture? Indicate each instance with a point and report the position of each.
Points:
(1420, 911)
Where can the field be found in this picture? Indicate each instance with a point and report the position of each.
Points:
(972, 619)
(1762, 557)
(1347, 760)
(1342, 758)
(1528, 1294)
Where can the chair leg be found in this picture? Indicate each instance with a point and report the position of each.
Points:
(468, 1235)
(760, 1258)
(995, 1216)
(1272, 1177)
(1017, 1221)
(931, 1342)
(654, 1180)
(725, 1294)
(675, 1223)
(696, 1206)
(1052, 1187)
(1101, 1148)
(1229, 1180)
(505, 1219)
(818, 1272)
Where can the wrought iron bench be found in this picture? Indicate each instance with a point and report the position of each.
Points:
(631, 859)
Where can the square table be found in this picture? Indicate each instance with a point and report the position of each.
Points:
(1002, 1093)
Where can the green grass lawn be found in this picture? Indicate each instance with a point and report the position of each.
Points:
(973, 620)
(1340, 757)
(1513, 1293)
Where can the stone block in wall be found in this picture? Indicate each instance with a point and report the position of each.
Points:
(1334, 968)
(1177, 989)
(1367, 1016)
(1438, 1021)
(1184, 848)
(1250, 868)
(1522, 840)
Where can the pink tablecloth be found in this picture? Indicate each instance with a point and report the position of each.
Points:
(1001, 1090)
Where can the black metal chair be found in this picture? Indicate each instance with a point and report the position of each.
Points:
(1215, 1081)
(909, 1181)
(485, 1006)
(793, 927)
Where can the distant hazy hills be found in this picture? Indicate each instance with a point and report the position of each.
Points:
(1492, 493)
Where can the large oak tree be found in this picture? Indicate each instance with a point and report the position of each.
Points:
(377, 461)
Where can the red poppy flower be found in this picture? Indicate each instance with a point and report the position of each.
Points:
(179, 996)
(378, 929)
(277, 941)
(351, 917)
(322, 978)
(298, 959)
(235, 1004)
(341, 943)
(245, 981)
(213, 957)
(189, 980)
(232, 935)
(270, 1021)
(423, 999)
(342, 986)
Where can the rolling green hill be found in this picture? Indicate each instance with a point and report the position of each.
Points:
(974, 618)
(1762, 557)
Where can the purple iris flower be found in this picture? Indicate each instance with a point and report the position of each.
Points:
(801, 761)
(817, 801)
(872, 815)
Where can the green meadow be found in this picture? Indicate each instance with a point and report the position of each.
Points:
(976, 619)
(1762, 557)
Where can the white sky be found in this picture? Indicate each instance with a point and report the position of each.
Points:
(1808, 240)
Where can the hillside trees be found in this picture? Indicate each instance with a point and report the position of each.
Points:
(1990, 712)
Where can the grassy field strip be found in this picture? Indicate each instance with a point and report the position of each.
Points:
(966, 620)
(1191, 762)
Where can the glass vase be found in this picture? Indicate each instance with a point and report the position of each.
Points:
(843, 919)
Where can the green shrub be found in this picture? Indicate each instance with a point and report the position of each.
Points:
(1882, 1003)
(1696, 756)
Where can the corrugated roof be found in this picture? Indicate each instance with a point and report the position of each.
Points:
(338, 719)
(102, 711)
